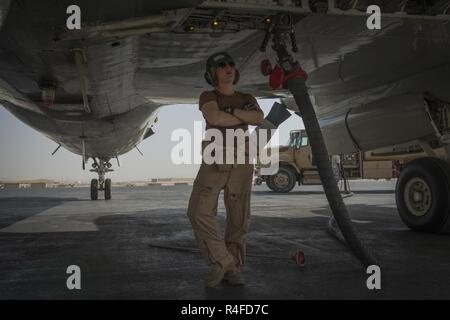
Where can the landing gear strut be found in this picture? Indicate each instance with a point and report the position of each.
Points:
(289, 74)
(101, 167)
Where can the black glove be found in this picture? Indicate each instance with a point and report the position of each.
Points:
(250, 107)
(228, 110)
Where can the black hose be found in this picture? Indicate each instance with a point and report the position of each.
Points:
(320, 154)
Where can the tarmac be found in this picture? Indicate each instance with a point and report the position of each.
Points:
(140, 246)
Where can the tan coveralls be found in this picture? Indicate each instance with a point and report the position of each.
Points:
(236, 181)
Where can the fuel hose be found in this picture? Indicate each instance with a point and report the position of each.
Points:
(297, 87)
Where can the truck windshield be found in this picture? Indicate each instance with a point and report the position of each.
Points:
(304, 141)
(293, 139)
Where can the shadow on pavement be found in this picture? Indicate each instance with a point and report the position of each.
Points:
(15, 209)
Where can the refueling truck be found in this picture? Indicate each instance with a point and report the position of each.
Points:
(296, 164)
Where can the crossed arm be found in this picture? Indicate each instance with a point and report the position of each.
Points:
(218, 118)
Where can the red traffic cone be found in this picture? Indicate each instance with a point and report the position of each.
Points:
(299, 258)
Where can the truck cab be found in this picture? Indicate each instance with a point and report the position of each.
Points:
(295, 165)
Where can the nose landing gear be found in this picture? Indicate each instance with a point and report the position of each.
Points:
(101, 167)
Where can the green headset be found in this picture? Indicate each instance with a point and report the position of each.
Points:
(212, 63)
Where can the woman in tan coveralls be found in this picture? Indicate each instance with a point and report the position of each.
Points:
(224, 108)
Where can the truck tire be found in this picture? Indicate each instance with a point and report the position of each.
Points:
(422, 195)
(283, 181)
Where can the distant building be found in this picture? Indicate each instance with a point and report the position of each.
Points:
(13, 185)
(38, 184)
(41, 185)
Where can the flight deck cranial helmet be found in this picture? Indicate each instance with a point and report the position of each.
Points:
(220, 59)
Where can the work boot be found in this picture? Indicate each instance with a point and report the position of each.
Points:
(217, 272)
(235, 278)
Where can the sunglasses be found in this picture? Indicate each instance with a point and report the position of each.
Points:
(223, 64)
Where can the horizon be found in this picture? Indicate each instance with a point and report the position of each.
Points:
(28, 155)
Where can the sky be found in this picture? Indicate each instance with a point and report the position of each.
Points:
(26, 154)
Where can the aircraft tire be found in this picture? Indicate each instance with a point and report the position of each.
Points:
(94, 189)
(283, 181)
(108, 187)
(422, 195)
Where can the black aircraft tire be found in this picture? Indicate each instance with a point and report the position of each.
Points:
(108, 187)
(422, 195)
(284, 173)
(94, 189)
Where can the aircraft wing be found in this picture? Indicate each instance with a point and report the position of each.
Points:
(129, 59)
